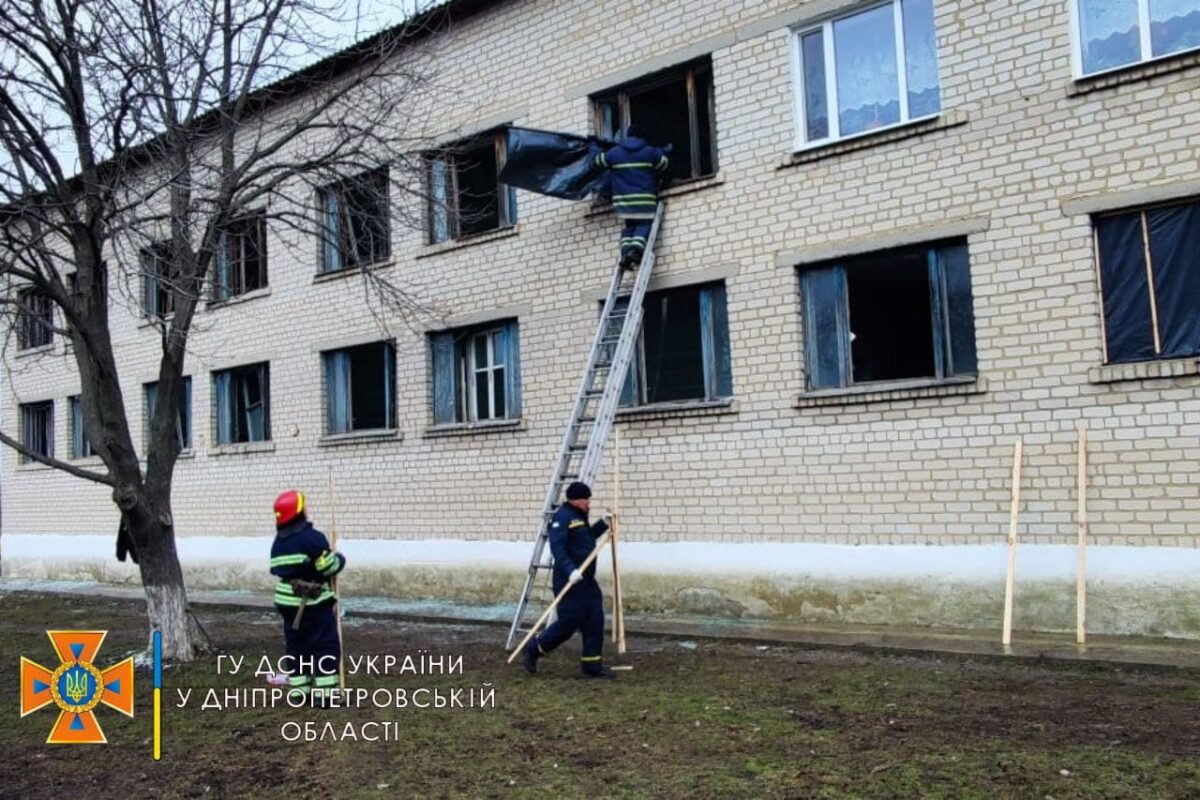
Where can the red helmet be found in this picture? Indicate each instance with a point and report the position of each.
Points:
(288, 506)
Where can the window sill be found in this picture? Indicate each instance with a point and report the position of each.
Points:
(944, 121)
(897, 390)
(685, 408)
(245, 297)
(1133, 73)
(349, 272)
(360, 437)
(474, 428)
(33, 466)
(183, 455)
(86, 461)
(681, 188)
(1144, 370)
(243, 448)
(469, 241)
(36, 351)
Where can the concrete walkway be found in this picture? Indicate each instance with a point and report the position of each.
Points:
(1143, 651)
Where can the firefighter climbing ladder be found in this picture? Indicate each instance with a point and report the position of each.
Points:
(582, 450)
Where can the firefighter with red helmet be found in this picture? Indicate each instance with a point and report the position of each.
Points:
(303, 562)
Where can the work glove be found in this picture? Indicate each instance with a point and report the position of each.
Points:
(576, 577)
(608, 518)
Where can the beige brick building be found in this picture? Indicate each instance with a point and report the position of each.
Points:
(882, 264)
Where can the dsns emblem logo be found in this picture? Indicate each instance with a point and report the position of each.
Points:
(76, 686)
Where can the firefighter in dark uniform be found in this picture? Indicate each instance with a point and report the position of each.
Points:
(304, 564)
(635, 168)
(572, 540)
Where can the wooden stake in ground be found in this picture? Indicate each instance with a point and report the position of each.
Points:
(1081, 568)
(618, 628)
(1006, 635)
(587, 562)
(333, 582)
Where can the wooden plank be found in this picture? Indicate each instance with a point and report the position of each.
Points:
(618, 626)
(1010, 578)
(1081, 523)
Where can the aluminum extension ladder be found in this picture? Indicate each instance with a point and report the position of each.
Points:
(582, 451)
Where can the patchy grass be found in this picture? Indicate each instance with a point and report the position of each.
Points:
(720, 720)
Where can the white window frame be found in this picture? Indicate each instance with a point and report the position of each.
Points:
(1147, 55)
(825, 26)
(474, 370)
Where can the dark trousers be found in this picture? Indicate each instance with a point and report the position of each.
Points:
(581, 610)
(314, 649)
(633, 236)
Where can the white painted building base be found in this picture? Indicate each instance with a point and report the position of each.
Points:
(1131, 590)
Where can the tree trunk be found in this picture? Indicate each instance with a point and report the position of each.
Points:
(166, 597)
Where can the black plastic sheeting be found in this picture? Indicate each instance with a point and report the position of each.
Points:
(1172, 237)
(557, 164)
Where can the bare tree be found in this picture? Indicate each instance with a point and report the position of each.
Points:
(136, 136)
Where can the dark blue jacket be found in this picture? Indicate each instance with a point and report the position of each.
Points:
(635, 168)
(301, 552)
(571, 542)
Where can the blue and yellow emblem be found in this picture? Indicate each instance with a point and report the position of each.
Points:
(76, 686)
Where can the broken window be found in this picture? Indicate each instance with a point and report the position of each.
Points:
(1117, 33)
(900, 314)
(360, 392)
(81, 447)
(683, 350)
(37, 429)
(36, 319)
(183, 419)
(241, 259)
(158, 289)
(1149, 265)
(243, 404)
(476, 374)
(673, 107)
(465, 195)
(867, 70)
(355, 223)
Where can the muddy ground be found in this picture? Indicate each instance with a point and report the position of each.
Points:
(692, 719)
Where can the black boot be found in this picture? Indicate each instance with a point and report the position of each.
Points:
(530, 656)
(601, 671)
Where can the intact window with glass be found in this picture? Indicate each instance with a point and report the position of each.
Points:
(80, 446)
(355, 222)
(183, 419)
(360, 388)
(241, 259)
(674, 107)
(35, 327)
(868, 70)
(476, 374)
(682, 352)
(1149, 266)
(1117, 33)
(158, 289)
(37, 429)
(465, 195)
(243, 408)
(897, 315)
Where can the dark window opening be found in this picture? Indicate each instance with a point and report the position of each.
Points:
(241, 258)
(158, 286)
(81, 446)
(465, 195)
(36, 324)
(242, 397)
(891, 335)
(183, 419)
(356, 222)
(37, 429)
(360, 388)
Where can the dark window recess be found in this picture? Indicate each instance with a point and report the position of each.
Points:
(242, 397)
(1150, 282)
(81, 446)
(476, 373)
(683, 350)
(37, 429)
(158, 285)
(36, 319)
(360, 388)
(356, 222)
(241, 258)
(183, 419)
(673, 107)
(902, 314)
(465, 195)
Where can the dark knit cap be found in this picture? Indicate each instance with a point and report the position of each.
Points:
(578, 491)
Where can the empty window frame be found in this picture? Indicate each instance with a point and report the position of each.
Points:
(158, 287)
(465, 196)
(675, 107)
(682, 352)
(35, 326)
(37, 429)
(360, 388)
(240, 265)
(1111, 34)
(477, 374)
(81, 447)
(866, 70)
(898, 315)
(355, 222)
(1149, 267)
(183, 419)
(242, 404)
